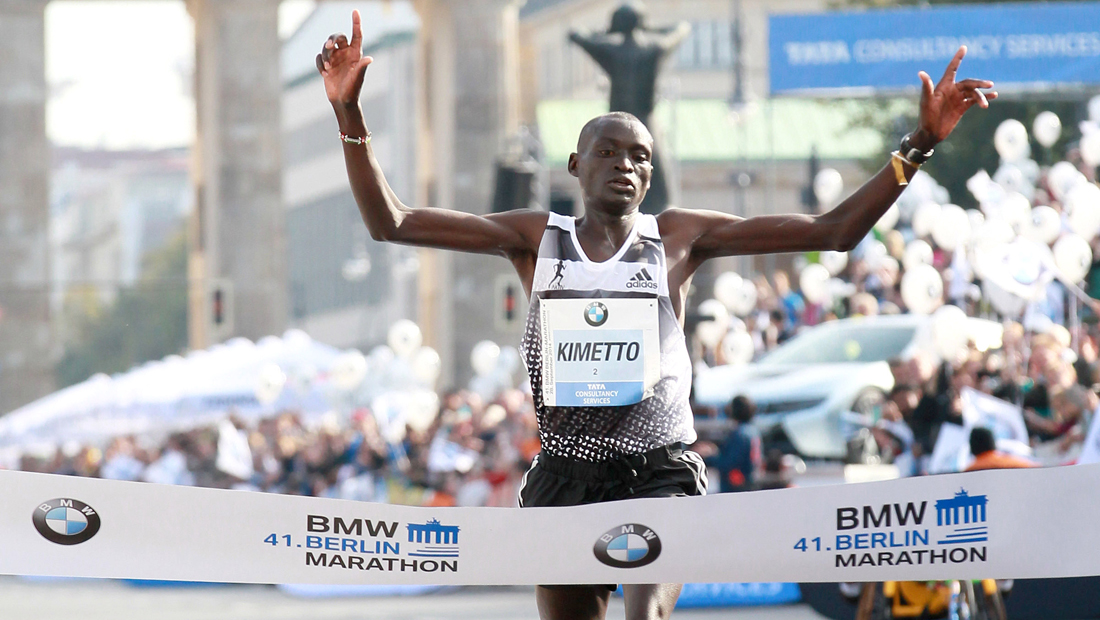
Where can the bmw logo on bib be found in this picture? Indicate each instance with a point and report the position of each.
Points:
(595, 314)
(66, 521)
(628, 546)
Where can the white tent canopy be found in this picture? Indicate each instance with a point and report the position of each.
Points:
(179, 392)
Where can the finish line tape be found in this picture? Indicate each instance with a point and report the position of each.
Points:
(996, 524)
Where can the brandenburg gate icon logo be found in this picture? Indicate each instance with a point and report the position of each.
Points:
(433, 539)
(966, 513)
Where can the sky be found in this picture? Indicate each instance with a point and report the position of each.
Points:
(119, 72)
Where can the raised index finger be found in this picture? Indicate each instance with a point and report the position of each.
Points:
(356, 30)
(953, 66)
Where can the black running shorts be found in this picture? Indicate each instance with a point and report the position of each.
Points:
(670, 471)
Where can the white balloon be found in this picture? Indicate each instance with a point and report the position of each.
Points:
(1083, 204)
(814, 283)
(745, 301)
(949, 331)
(296, 339)
(381, 356)
(269, 383)
(711, 331)
(1047, 128)
(1073, 256)
(404, 338)
(1031, 171)
(1090, 149)
(924, 219)
(835, 262)
(1010, 140)
(422, 409)
(952, 228)
(484, 357)
(426, 365)
(922, 289)
(1062, 177)
(993, 232)
(987, 238)
(918, 252)
(839, 289)
(1043, 226)
(1094, 108)
(738, 347)
(828, 185)
(716, 310)
(889, 219)
(1002, 301)
(727, 287)
(348, 370)
(977, 218)
(1015, 209)
(981, 185)
(737, 325)
(1012, 178)
(874, 252)
(509, 360)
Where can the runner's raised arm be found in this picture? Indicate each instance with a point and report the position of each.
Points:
(514, 235)
(710, 234)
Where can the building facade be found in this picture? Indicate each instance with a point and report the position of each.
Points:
(344, 288)
(109, 212)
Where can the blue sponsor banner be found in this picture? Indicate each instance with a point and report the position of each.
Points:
(736, 594)
(1010, 44)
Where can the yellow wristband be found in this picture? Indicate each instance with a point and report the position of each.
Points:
(899, 163)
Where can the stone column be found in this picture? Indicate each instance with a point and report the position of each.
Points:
(26, 356)
(486, 74)
(238, 226)
(472, 94)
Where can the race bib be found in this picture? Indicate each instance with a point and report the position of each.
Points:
(599, 352)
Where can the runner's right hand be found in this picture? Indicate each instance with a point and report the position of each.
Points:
(343, 66)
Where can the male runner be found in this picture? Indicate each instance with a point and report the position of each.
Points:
(623, 436)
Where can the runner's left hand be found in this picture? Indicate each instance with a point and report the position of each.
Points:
(943, 104)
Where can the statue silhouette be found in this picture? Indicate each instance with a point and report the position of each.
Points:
(632, 54)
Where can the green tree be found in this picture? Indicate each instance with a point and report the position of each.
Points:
(146, 322)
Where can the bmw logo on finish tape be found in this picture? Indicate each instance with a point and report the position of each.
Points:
(595, 314)
(628, 546)
(66, 521)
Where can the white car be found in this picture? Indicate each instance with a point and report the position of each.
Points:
(806, 389)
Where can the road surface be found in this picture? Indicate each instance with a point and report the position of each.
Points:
(21, 599)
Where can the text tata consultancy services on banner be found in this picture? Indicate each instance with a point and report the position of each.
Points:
(1008, 43)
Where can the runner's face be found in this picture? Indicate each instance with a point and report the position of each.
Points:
(614, 166)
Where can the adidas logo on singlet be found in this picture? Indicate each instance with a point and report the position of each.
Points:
(642, 279)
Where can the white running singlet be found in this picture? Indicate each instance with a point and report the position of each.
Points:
(609, 366)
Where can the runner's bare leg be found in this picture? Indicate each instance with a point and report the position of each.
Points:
(652, 601)
(572, 602)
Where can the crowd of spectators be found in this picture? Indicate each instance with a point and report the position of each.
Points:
(473, 454)
(1047, 364)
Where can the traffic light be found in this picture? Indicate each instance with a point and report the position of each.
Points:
(219, 306)
(509, 308)
(219, 297)
(510, 311)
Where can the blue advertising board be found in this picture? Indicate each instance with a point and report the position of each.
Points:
(1019, 45)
